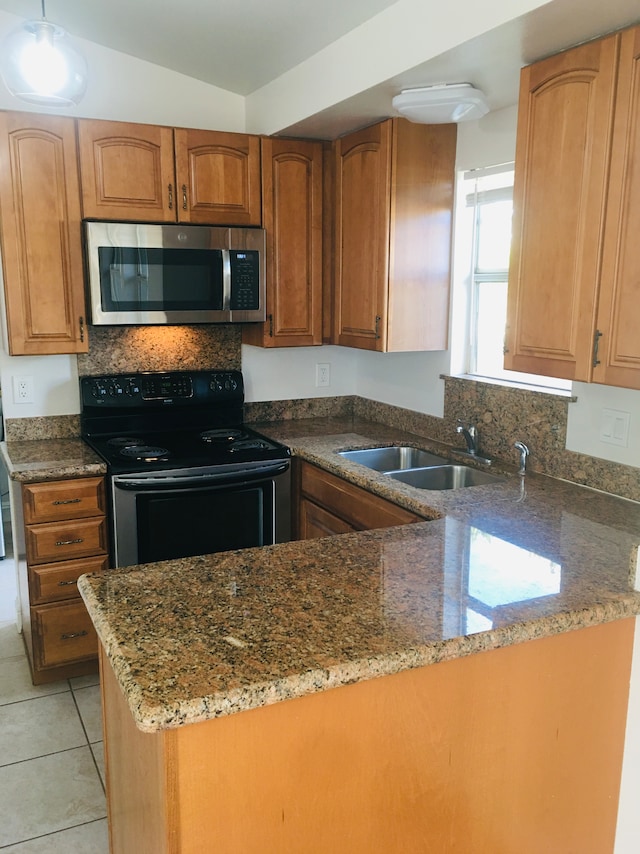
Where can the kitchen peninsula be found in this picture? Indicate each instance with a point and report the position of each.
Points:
(454, 685)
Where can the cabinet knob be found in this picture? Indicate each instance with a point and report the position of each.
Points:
(170, 197)
(184, 197)
(69, 542)
(71, 635)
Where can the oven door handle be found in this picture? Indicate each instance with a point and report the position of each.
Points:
(167, 481)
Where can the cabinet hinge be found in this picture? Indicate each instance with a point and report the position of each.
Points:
(81, 329)
(377, 325)
(596, 343)
(170, 197)
(184, 197)
(270, 326)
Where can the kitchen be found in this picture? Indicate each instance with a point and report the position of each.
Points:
(270, 375)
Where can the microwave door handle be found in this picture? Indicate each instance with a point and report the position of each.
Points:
(226, 280)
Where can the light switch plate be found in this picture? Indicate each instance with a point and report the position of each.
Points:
(614, 427)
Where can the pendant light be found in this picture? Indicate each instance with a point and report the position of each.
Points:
(39, 64)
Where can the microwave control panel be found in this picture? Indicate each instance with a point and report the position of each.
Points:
(245, 279)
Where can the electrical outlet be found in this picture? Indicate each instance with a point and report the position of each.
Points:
(23, 389)
(323, 375)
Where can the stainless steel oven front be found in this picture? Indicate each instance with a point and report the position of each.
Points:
(184, 512)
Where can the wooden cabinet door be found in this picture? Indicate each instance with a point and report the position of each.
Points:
(618, 356)
(347, 507)
(315, 521)
(363, 186)
(394, 215)
(218, 177)
(562, 162)
(292, 217)
(41, 235)
(127, 171)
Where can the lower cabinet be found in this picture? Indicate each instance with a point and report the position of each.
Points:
(329, 505)
(65, 536)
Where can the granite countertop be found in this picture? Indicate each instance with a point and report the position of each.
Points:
(34, 460)
(194, 639)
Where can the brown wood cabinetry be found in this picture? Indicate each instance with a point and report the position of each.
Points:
(41, 235)
(65, 536)
(292, 217)
(394, 206)
(329, 505)
(574, 304)
(160, 174)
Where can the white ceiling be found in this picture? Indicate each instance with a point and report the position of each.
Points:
(238, 45)
(242, 45)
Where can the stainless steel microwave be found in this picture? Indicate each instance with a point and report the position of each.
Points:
(174, 274)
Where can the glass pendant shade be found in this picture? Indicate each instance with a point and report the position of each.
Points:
(39, 64)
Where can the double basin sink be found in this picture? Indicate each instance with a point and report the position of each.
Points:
(419, 468)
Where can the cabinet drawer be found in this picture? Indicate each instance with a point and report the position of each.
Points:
(56, 501)
(66, 540)
(63, 633)
(356, 506)
(53, 581)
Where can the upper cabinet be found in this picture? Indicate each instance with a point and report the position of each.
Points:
(41, 235)
(394, 186)
(292, 217)
(161, 174)
(574, 283)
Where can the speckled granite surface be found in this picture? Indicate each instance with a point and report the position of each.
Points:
(195, 639)
(50, 459)
(119, 349)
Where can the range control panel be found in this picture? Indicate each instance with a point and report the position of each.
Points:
(181, 388)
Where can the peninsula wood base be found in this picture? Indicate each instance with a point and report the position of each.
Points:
(517, 749)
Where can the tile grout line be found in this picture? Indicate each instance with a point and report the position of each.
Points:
(86, 735)
(53, 833)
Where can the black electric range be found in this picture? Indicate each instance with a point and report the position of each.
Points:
(186, 475)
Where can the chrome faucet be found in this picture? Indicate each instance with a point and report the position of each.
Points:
(524, 453)
(470, 433)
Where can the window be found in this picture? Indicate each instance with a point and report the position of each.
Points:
(488, 195)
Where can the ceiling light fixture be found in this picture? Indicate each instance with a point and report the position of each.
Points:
(40, 64)
(441, 104)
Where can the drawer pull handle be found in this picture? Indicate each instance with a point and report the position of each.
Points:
(72, 635)
(70, 542)
(65, 583)
(67, 501)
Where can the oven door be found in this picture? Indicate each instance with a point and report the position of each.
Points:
(176, 514)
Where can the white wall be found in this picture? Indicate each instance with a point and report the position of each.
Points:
(290, 373)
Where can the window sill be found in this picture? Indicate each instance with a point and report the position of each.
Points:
(540, 389)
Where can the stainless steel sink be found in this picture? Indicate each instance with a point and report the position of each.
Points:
(445, 477)
(393, 458)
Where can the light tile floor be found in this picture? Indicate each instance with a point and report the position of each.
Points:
(52, 797)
